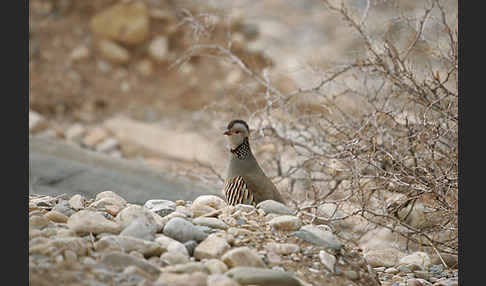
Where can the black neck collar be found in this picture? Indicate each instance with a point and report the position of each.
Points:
(243, 150)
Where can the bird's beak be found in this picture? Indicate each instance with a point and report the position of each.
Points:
(227, 132)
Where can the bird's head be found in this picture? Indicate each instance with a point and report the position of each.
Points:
(236, 132)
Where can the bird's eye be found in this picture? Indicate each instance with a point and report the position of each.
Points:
(237, 131)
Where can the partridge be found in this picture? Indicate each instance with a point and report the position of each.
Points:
(246, 183)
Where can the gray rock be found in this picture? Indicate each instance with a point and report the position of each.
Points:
(325, 239)
(64, 207)
(171, 245)
(215, 266)
(404, 269)
(135, 212)
(383, 257)
(183, 230)
(285, 222)
(190, 267)
(141, 228)
(242, 256)
(221, 280)
(211, 201)
(160, 207)
(77, 202)
(186, 279)
(212, 247)
(271, 206)
(190, 246)
(172, 258)
(49, 247)
(128, 243)
(120, 261)
(282, 248)
(72, 170)
(38, 222)
(263, 277)
(421, 259)
(210, 222)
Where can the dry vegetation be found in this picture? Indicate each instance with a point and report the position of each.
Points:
(390, 158)
(374, 141)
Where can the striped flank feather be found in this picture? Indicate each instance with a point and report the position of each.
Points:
(236, 192)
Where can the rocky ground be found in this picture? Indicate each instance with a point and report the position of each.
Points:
(107, 241)
(118, 95)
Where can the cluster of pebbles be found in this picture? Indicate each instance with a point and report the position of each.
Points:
(108, 241)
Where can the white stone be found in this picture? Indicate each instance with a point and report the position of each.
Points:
(86, 221)
(77, 202)
(113, 52)
(282, 248)
(212, 247)
(221, 280)
(127, 23)
(75, 132)
(327, 259)
(242, 256)
(159, 48)
(210, 222)
(36, 122)
(285, 222)
(79, 53)
(108, 145)
(421, 259)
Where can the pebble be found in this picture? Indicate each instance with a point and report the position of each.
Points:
(382, 257)
(327, 259)
(391, 270)
(141, 228)
(190, 246)
(120, 260)
(172, 258)
(171, 245)
(271, 206)
(264, 277)
(77, 202)
(51, 246)
(193, 279)
(282, 248)
(404, 269)
(160, 207)
(159, 48)
(37, 123)
(242, 256)
(64, 207)
(108, 145)
(285, 222)
(212, 247)
(56, 216)
(133, 212)
(210, 222)
(78, 54)
(127, 244)
(183, 230)
(75, 132)
(421, 259)
(318, 237)
(38, 222)
(95, 136)
(215, 266)
(221, 280)
(86, 221)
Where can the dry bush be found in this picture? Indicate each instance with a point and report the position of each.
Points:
(375, 140)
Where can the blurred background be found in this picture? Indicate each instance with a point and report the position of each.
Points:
(341, 96)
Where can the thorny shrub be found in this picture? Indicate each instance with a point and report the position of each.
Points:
(392, 162)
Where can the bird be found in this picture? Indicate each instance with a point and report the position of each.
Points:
(245, 183)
